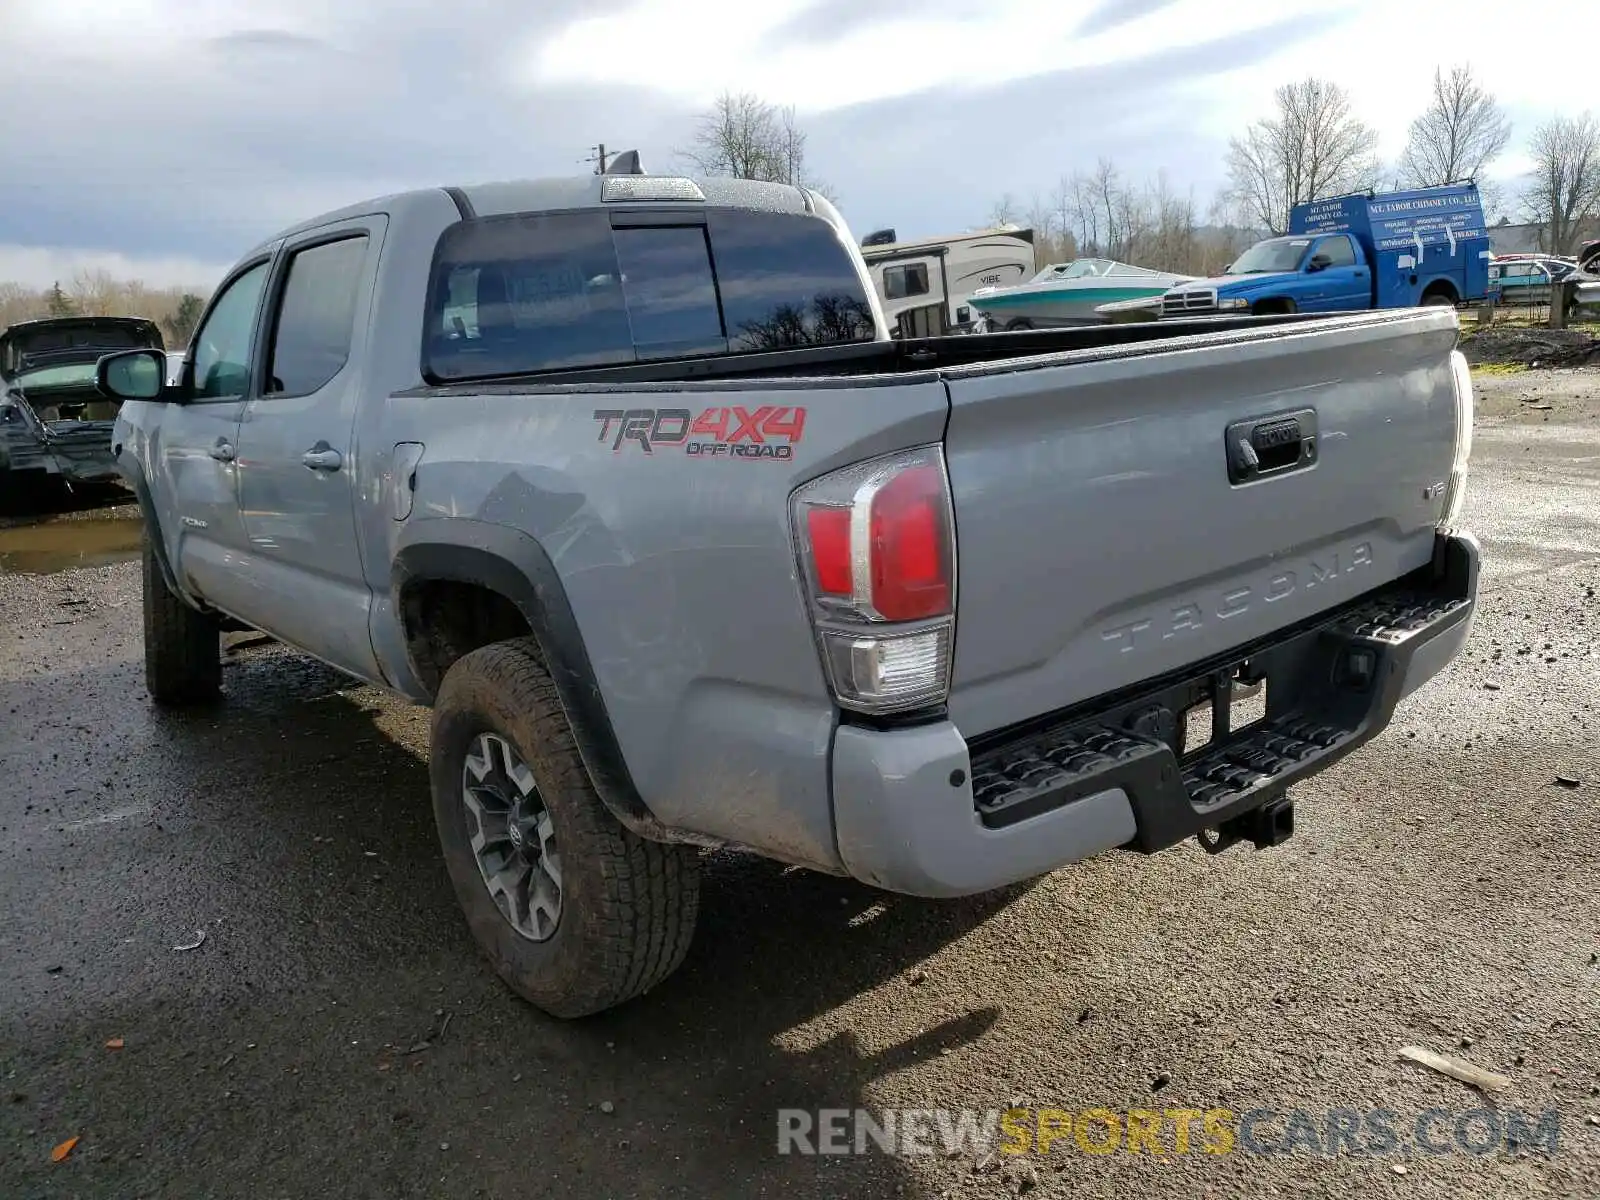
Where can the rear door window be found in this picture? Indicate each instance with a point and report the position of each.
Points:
(316, 317)
(523, 294)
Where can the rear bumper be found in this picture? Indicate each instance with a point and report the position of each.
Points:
(920, 811)
(84, 455)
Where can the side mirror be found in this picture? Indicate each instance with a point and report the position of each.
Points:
(1319, 262)
(131, 375)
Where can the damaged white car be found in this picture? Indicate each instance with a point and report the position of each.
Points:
(54, 425)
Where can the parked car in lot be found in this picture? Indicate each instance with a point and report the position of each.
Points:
(54, 423)
(625, 477)
(1520, 280)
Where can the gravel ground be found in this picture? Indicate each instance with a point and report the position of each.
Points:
(336, 1033)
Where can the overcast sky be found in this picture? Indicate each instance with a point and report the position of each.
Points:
(161, 138)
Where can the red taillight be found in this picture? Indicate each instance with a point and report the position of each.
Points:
(829, 530)
(880, 540)
(910, 553)
(876, 542)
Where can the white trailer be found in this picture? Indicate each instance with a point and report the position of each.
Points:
(925, 284)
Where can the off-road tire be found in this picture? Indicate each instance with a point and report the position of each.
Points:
(628, 904)
(182, 646)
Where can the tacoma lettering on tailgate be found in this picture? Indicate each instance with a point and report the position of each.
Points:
(1190, 615)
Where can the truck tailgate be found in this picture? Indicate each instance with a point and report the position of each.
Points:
(1104, 540)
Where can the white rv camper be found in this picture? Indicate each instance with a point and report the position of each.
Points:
(925, 284)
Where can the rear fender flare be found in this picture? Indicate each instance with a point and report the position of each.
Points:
(515, 565)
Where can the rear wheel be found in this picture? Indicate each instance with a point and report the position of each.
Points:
(576, 913)
(182, 646)
(1018, 325)
(1439, 300)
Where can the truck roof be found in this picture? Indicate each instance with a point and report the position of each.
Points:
(570, 192)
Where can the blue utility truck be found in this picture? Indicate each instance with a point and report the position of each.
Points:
(1364, 251)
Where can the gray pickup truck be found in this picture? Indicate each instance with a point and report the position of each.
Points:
(625, 478)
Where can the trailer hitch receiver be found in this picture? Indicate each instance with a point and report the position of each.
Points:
(1271, 824)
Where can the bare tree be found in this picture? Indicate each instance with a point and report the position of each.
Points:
(1050, 237)
(1462, 130)
(1063, 210)
(748, 138)
(95, 291)
(1313, 147)
(1105, 193)
(1005, 210)
(1564, 186)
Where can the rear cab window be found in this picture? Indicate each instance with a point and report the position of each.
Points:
(527, 293)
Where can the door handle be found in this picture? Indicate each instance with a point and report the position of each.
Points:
(223, 451)
(322, 457)
(1262, 447)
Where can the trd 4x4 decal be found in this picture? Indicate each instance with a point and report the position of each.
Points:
(771, 431)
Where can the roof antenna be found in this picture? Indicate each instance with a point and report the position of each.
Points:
(624, 162)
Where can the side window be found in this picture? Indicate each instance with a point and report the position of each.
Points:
(1339, 251)
(900, 282)
(222, 345)
(315, 321)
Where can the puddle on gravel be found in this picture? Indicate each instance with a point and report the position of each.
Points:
(67, 543)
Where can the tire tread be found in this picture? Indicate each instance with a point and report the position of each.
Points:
(182, 646)
(648, 899)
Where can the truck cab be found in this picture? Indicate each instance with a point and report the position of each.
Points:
(1349, 253)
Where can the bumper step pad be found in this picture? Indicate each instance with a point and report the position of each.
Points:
(1057, 767)
(1256, 755)
(1395, 620)
(1327, 709)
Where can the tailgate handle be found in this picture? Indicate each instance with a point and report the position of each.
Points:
(1261, 447)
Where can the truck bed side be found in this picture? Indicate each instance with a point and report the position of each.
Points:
(676, 564)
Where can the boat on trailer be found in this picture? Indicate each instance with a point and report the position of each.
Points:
(1069, 293)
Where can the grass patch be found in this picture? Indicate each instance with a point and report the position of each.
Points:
(1499, 368)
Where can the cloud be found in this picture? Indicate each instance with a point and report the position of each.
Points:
(830, 20)
(39, 267)
(1113, 13)
(271, 39)
(218, 138)
(191, 131)
(1118, 110)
